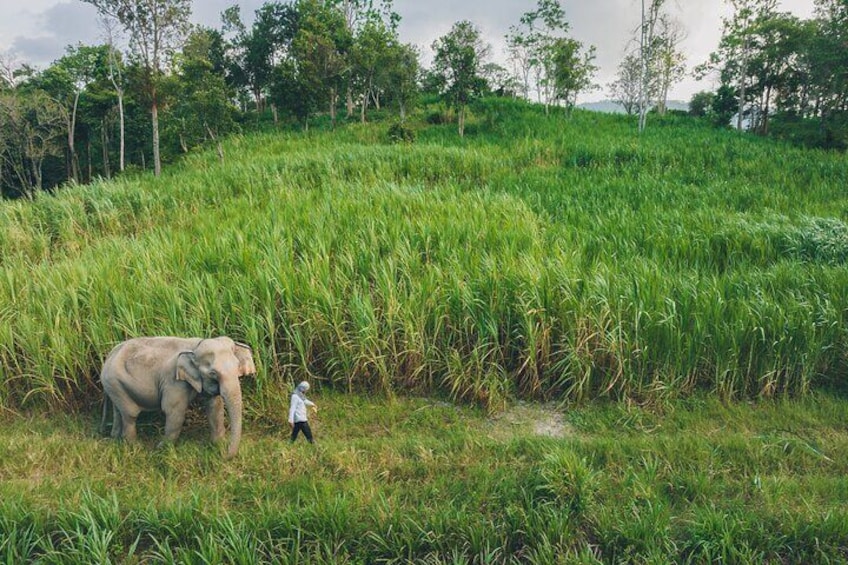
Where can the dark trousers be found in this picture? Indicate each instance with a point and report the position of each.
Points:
(298, 426)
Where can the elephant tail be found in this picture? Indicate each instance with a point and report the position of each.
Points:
(106, 409)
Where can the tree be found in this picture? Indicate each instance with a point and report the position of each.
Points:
(540, 49)
(31, 128)
(156, 29)
(547, 25)
(383, 67)
(520, 53)
(66, 80)
(116, 77)
(701, 104)
(626, 88)
(668, 62)
(540, 29)
(359, 14)
(369, 58)
(402, 76)
(202, 110)
(500, 81)
(292, 94)
(254, 54)
(723, 105)
(572, 70)
(830, 72)
(98, 111)
(807, 73)
(738, 47)
(7, 71)
(647, 46)
(458, 62)
(319, 48)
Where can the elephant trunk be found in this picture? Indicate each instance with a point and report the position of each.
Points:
(231, 393)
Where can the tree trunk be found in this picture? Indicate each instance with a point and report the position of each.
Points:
(333, 99)
(122, 163)
(71, 128)
(157, 163)
(257, 97)
(90, 163)
(218, 144)
(462, 121)
(646, 52)
(349, 102)
(36, 174)
(643, 79)
(375, 96)
(104, 140)
(743, 75)
(766, 111)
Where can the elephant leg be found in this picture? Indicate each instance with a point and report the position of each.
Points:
(175, 411)
(128, 426)
(215, 414)
(116, 422)
(124, 411)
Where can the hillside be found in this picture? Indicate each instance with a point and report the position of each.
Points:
(540, 257)
(435, 293)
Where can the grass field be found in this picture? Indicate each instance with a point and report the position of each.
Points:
(418, 480)
(673, 307)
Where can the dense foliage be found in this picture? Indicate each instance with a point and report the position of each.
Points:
(788, 75)
(72, 120)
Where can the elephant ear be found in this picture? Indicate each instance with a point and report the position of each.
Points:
(187, 370)
(245, 358)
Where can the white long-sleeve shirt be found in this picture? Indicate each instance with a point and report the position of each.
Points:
(297, 412)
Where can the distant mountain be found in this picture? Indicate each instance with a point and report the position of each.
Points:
(606, 106)
(610, 107)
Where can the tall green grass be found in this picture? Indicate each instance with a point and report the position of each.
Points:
(539, 257)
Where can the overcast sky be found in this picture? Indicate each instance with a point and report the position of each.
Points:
(37, 31)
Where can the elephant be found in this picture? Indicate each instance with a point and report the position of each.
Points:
(167, 373)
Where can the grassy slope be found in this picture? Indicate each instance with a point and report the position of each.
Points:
(539, 257)
(543, 257)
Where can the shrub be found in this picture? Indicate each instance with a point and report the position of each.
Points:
(401, 133)
(436, 118)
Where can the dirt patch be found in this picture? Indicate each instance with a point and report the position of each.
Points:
(524, 418)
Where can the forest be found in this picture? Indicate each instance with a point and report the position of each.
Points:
(159, 86)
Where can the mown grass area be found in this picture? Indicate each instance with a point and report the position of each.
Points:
(540, 257)
(424, 481)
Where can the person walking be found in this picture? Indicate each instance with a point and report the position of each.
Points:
(298, 417)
